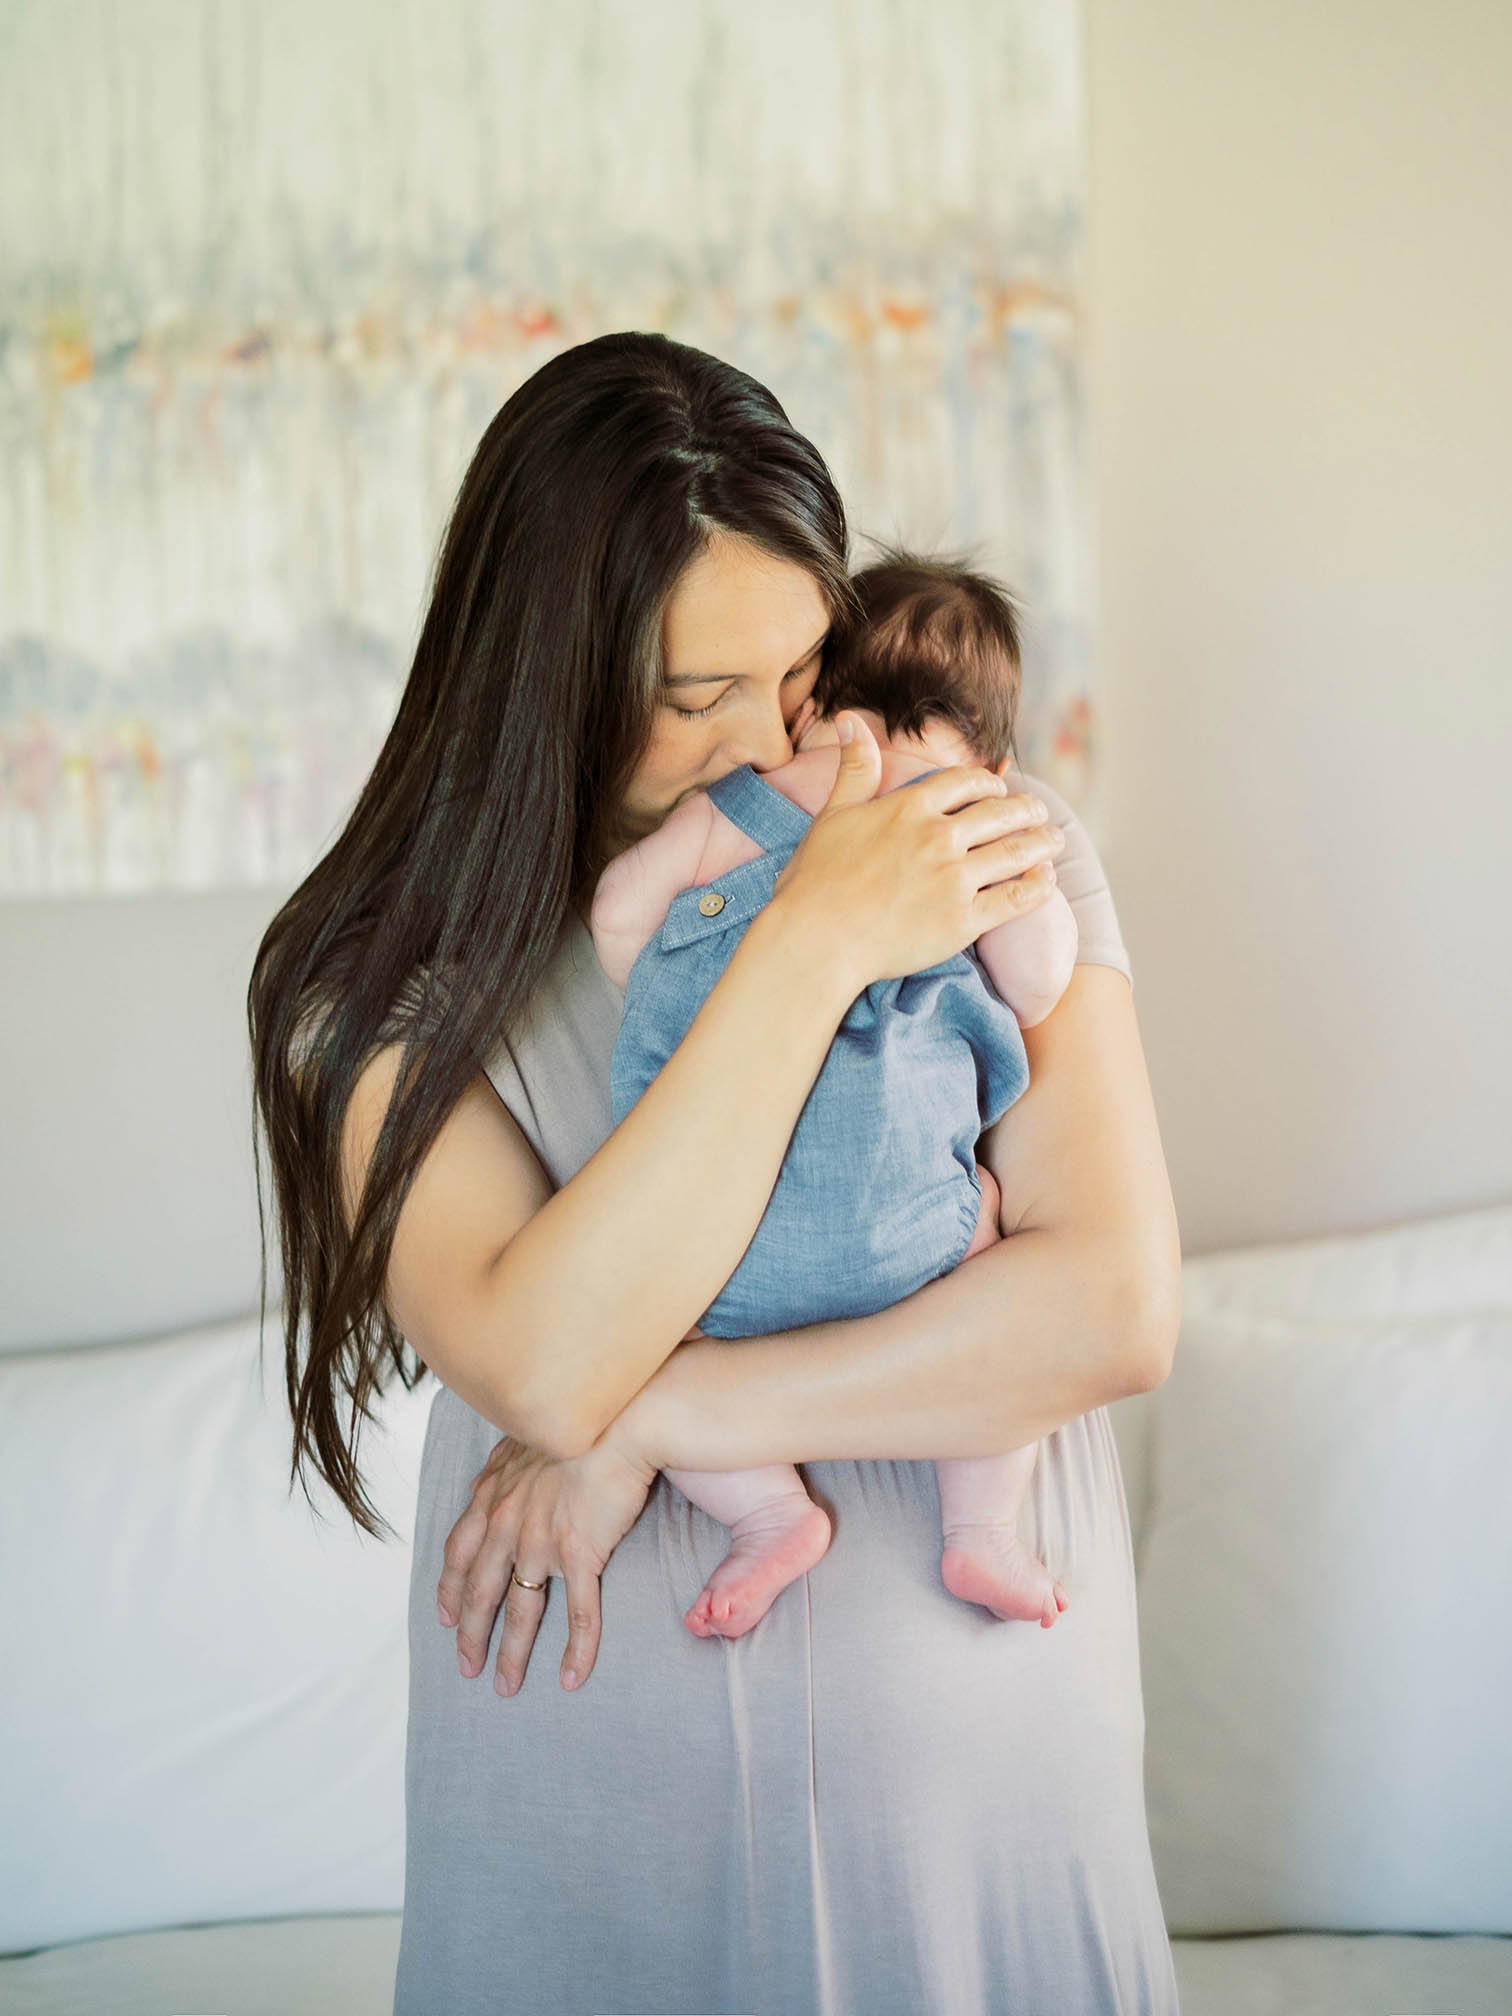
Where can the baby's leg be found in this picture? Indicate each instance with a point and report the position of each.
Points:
(777, 1533)
(984, 1560)
(986, 1233)
(980, 1496)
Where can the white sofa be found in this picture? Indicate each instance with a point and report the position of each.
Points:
(202, 1751)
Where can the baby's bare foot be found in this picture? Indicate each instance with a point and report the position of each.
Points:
(768, 1549)
(991, 1565)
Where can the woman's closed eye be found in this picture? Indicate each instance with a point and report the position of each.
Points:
(697, 713)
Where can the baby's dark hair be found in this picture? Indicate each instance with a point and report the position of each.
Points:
(934, 640)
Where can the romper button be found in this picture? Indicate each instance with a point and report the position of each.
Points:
(711, 905)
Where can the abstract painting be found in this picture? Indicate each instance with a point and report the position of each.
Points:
(268, 270)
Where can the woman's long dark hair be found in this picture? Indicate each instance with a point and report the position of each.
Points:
(491, 809)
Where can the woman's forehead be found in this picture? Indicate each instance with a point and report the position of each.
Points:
(739, 609)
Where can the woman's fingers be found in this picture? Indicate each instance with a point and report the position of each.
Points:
(583, 1625)
(523, 1611)
(1020, 872)
(998, 902)
(479, 1552)
(540, 1517)
(986, 819)
(1020, 853)
(484, 1584)
(459, 1553)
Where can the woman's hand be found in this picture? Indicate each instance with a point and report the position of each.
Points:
(543, 1517)
(899, 882)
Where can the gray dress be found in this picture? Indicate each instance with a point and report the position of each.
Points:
(881, 1801)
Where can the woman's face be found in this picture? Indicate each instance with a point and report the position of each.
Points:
(741, 638)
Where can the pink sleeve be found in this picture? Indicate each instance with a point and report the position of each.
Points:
(635, 891)
(1080, 878)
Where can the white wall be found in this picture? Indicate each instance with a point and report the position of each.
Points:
(1300, 375)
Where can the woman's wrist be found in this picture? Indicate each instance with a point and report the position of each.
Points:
(638, 1431)
(788, 934)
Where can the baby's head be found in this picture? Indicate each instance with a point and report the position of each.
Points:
(935, 653)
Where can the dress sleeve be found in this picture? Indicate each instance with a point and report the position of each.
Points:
(1079, 874)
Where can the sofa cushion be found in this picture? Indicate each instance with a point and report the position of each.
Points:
(345, 1967)
(1426, 1267)
(1324, 1627)
(294, 1966)
(205, 1686)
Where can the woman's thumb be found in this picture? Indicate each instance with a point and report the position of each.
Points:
(860, 770)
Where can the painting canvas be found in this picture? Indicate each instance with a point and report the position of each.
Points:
(267, 271)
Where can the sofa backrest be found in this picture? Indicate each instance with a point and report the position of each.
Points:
(127, 1204)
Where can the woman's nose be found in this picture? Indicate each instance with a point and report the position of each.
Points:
(769, 749)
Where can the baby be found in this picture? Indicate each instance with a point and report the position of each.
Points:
(880, 1190)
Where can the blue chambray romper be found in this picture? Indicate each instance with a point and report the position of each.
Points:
(878, 1192)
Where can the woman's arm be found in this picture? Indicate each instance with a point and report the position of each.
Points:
(548, 1313)
(1077, 1305)
(547, 1309)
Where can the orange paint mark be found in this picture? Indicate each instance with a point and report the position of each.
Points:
(904, 314)
(534, 318)
(483, 327)
(843, 312)
(1073, 732)
(69, 359)
(1025, 297)
(371, 335)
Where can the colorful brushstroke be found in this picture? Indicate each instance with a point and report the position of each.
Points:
(235, 410)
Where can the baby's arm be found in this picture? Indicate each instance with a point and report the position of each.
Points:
(1030, 959)
(633, 894)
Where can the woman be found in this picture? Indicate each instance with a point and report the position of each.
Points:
(881, 1799)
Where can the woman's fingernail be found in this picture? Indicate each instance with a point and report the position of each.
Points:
(569, 1678)
(501, 1685)
(443, 1618)
(462, 1666)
